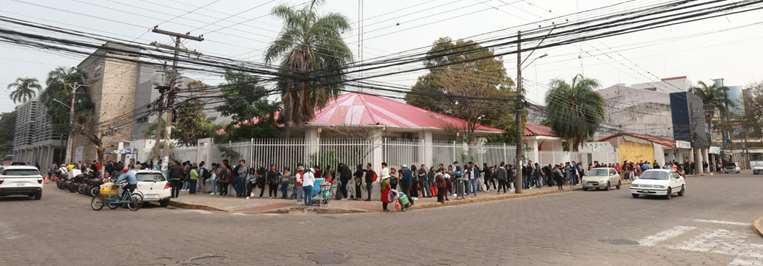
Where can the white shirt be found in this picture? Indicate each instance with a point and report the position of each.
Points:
(308, 179)
(385, 172)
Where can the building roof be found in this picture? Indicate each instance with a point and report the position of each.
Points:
(537, 130)
(358, 109)
(667, 142)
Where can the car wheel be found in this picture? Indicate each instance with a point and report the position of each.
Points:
(37, 196)
(683, 191)
(619, 183)
(609, 185)
(635, 196)
(164, 202)
(669, 194)
(585, 189)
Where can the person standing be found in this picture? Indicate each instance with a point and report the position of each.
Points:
(344, 178)
(308, 181)
(424, 179)
(370, 179)
(442, 186)
(502, 176)
(406, 182)
(177, 175)
(298, 193)
(240, 172)
(273, 178)
(225, 178)
(194, 178)
(285, 177)
(358, 176)
(385, 189)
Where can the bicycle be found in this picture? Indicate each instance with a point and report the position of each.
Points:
(107, 197)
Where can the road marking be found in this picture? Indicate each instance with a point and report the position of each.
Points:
(197, 211)
(665, 235)
(721, 222)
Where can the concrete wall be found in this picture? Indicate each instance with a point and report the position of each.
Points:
(635, 152)
(638, 110)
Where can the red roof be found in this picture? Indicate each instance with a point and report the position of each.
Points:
(532, 129)
(667, 142)
(357, 109)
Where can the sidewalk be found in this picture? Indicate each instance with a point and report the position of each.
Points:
(264, 205)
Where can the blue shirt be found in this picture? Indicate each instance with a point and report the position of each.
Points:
(129, 177)
(407, 175)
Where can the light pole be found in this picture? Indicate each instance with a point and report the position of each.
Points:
(69, 140)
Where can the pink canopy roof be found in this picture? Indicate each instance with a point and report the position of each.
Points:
(356, 109)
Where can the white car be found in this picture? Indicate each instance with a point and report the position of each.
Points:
(757, 167)
(601, 178)
(659, 182)
(731, 168)
(20, 180)
(153, 187)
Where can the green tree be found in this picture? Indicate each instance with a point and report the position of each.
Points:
(312, 54)
(24, 89)
(191, 123)
(714, 97)
(575, 110)
(58, 93)
(476, 91)
(7, 130)
(245, 101)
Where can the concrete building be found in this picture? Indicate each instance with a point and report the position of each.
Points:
(642, 108)
(36, 140)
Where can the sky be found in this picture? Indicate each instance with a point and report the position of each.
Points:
(726, 47)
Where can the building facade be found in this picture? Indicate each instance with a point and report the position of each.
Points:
(36, 140)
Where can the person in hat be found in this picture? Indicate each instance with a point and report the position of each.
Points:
(385, 190)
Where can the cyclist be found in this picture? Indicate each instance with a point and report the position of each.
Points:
(128, 177)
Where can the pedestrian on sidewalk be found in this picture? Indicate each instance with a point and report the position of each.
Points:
(558, 177)
(385, 189)
(213, 180)
(225, 177)
(424, 181)
(503, 177)
(285, 178)
(194, 178)
(177, 175)
(240, 172)
(308, 181)
(370, 178)
(251, 182)
(442, 186)
(273, 179)
(406, 181)
(345, 174)
(394, 178)
(358, 177)
(297, 192)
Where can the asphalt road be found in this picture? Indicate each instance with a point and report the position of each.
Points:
(709, 226)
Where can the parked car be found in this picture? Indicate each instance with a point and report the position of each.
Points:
(659, 182)
(757, 167)
(601, 178)
(731, 168)
(153, 187)
(21, 180)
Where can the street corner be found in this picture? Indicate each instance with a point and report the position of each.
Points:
(757, 225)
(193, 206)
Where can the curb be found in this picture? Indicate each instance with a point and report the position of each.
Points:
(498, 198)
(182, 205)
(316, 210)
(757, 225)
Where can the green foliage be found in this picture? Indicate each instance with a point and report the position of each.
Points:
(7, 130)
(191, 123)
(24, 89)
(575, 110)
(312, 54)
(753, 110)
(58, 89)
(327, 157)
(485, 78)
(246, 102)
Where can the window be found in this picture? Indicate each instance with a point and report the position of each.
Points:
(149, 177)
(21, 172)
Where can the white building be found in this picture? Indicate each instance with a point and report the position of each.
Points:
(642, 108)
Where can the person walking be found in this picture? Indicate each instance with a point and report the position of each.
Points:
(502, 176)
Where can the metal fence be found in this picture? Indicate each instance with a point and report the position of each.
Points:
(331, 151)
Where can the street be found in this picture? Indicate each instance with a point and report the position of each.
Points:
(708, 226)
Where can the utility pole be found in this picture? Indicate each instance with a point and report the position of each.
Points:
(171, 88)
(518, 118)
(69, 138)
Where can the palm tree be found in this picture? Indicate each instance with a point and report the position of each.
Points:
(24, 89)
(575, 110)
(714, 97)
(312, 54)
